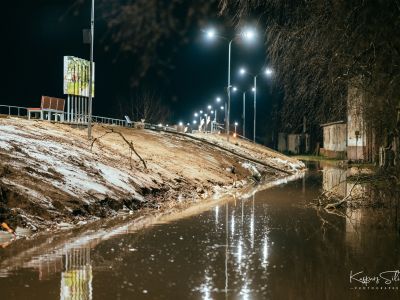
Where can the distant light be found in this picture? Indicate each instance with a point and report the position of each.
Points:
(253, 89)
(209, 107)
(212, 111)
(166, 125)
(201, 111)
(194, 122)
(249, 34)
(205, 115)
(222, 108)
(242, 71)
(218, 99)
(180, 124)
(234, 135)
(234, 89)
(196, 114)
(210, 33)
(187, 124)
(160, 125)
(236, 124)
(268, 71)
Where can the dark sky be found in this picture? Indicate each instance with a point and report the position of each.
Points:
(37, 34)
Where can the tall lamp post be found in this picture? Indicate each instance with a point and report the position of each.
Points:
(268, 72)
(91, 71)
(244, 109)
(247, 34)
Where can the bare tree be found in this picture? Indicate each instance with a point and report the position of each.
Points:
(146, 105)
(321, 47)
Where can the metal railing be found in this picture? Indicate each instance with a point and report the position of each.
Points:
(109, 121)
(11, 110)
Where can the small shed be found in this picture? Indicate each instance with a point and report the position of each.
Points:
(335, 139)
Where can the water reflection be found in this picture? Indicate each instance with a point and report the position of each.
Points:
(266, 245)
(76, 279)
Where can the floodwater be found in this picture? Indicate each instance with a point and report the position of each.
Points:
(266, 246)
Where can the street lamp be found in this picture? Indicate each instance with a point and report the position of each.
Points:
(236, 124)
(91, 70)
(268, 72)
(246, 34)
(244, 111)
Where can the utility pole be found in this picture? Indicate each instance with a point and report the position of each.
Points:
(244, 114)
(255, 106)
(91, 71)
(229, 89)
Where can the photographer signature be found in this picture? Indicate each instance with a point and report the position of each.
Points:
(385, 277)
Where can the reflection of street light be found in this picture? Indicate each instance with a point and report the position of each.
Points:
(246, 34)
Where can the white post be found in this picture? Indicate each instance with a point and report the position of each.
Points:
(255, 106)
(91, 71)
(229, 89)
(244, 114)
(68, 108)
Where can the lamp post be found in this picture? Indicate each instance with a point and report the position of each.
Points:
(248, 34)
(91, 71)
(236, 124)
(268, 72)
(244, 107)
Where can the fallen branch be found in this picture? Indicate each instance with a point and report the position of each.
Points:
(339, 203)
(130, 144)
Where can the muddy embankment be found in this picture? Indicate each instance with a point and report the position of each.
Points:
(51, 175)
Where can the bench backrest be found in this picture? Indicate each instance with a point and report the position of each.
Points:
(52, 103)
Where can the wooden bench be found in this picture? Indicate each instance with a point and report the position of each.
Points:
(49, 107)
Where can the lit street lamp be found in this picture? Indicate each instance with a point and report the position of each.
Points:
(268, 72)
(236, 124)
(244, 111)
(247, 34)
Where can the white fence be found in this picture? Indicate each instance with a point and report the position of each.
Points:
(18, 111)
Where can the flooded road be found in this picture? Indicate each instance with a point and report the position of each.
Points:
(266, 246)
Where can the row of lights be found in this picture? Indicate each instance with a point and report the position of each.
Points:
(248, 35)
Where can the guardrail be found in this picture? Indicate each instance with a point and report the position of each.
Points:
(10, 110)
(20, 111)
(109, 121)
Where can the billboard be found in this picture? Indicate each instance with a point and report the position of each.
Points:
(76, 76)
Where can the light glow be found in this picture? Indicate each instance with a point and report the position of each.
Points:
(268, 71)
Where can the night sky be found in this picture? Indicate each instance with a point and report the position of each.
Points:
(37, 34)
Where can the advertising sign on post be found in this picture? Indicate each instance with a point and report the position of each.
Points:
(76, 76)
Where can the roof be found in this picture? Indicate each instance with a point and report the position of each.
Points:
(332, 123)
